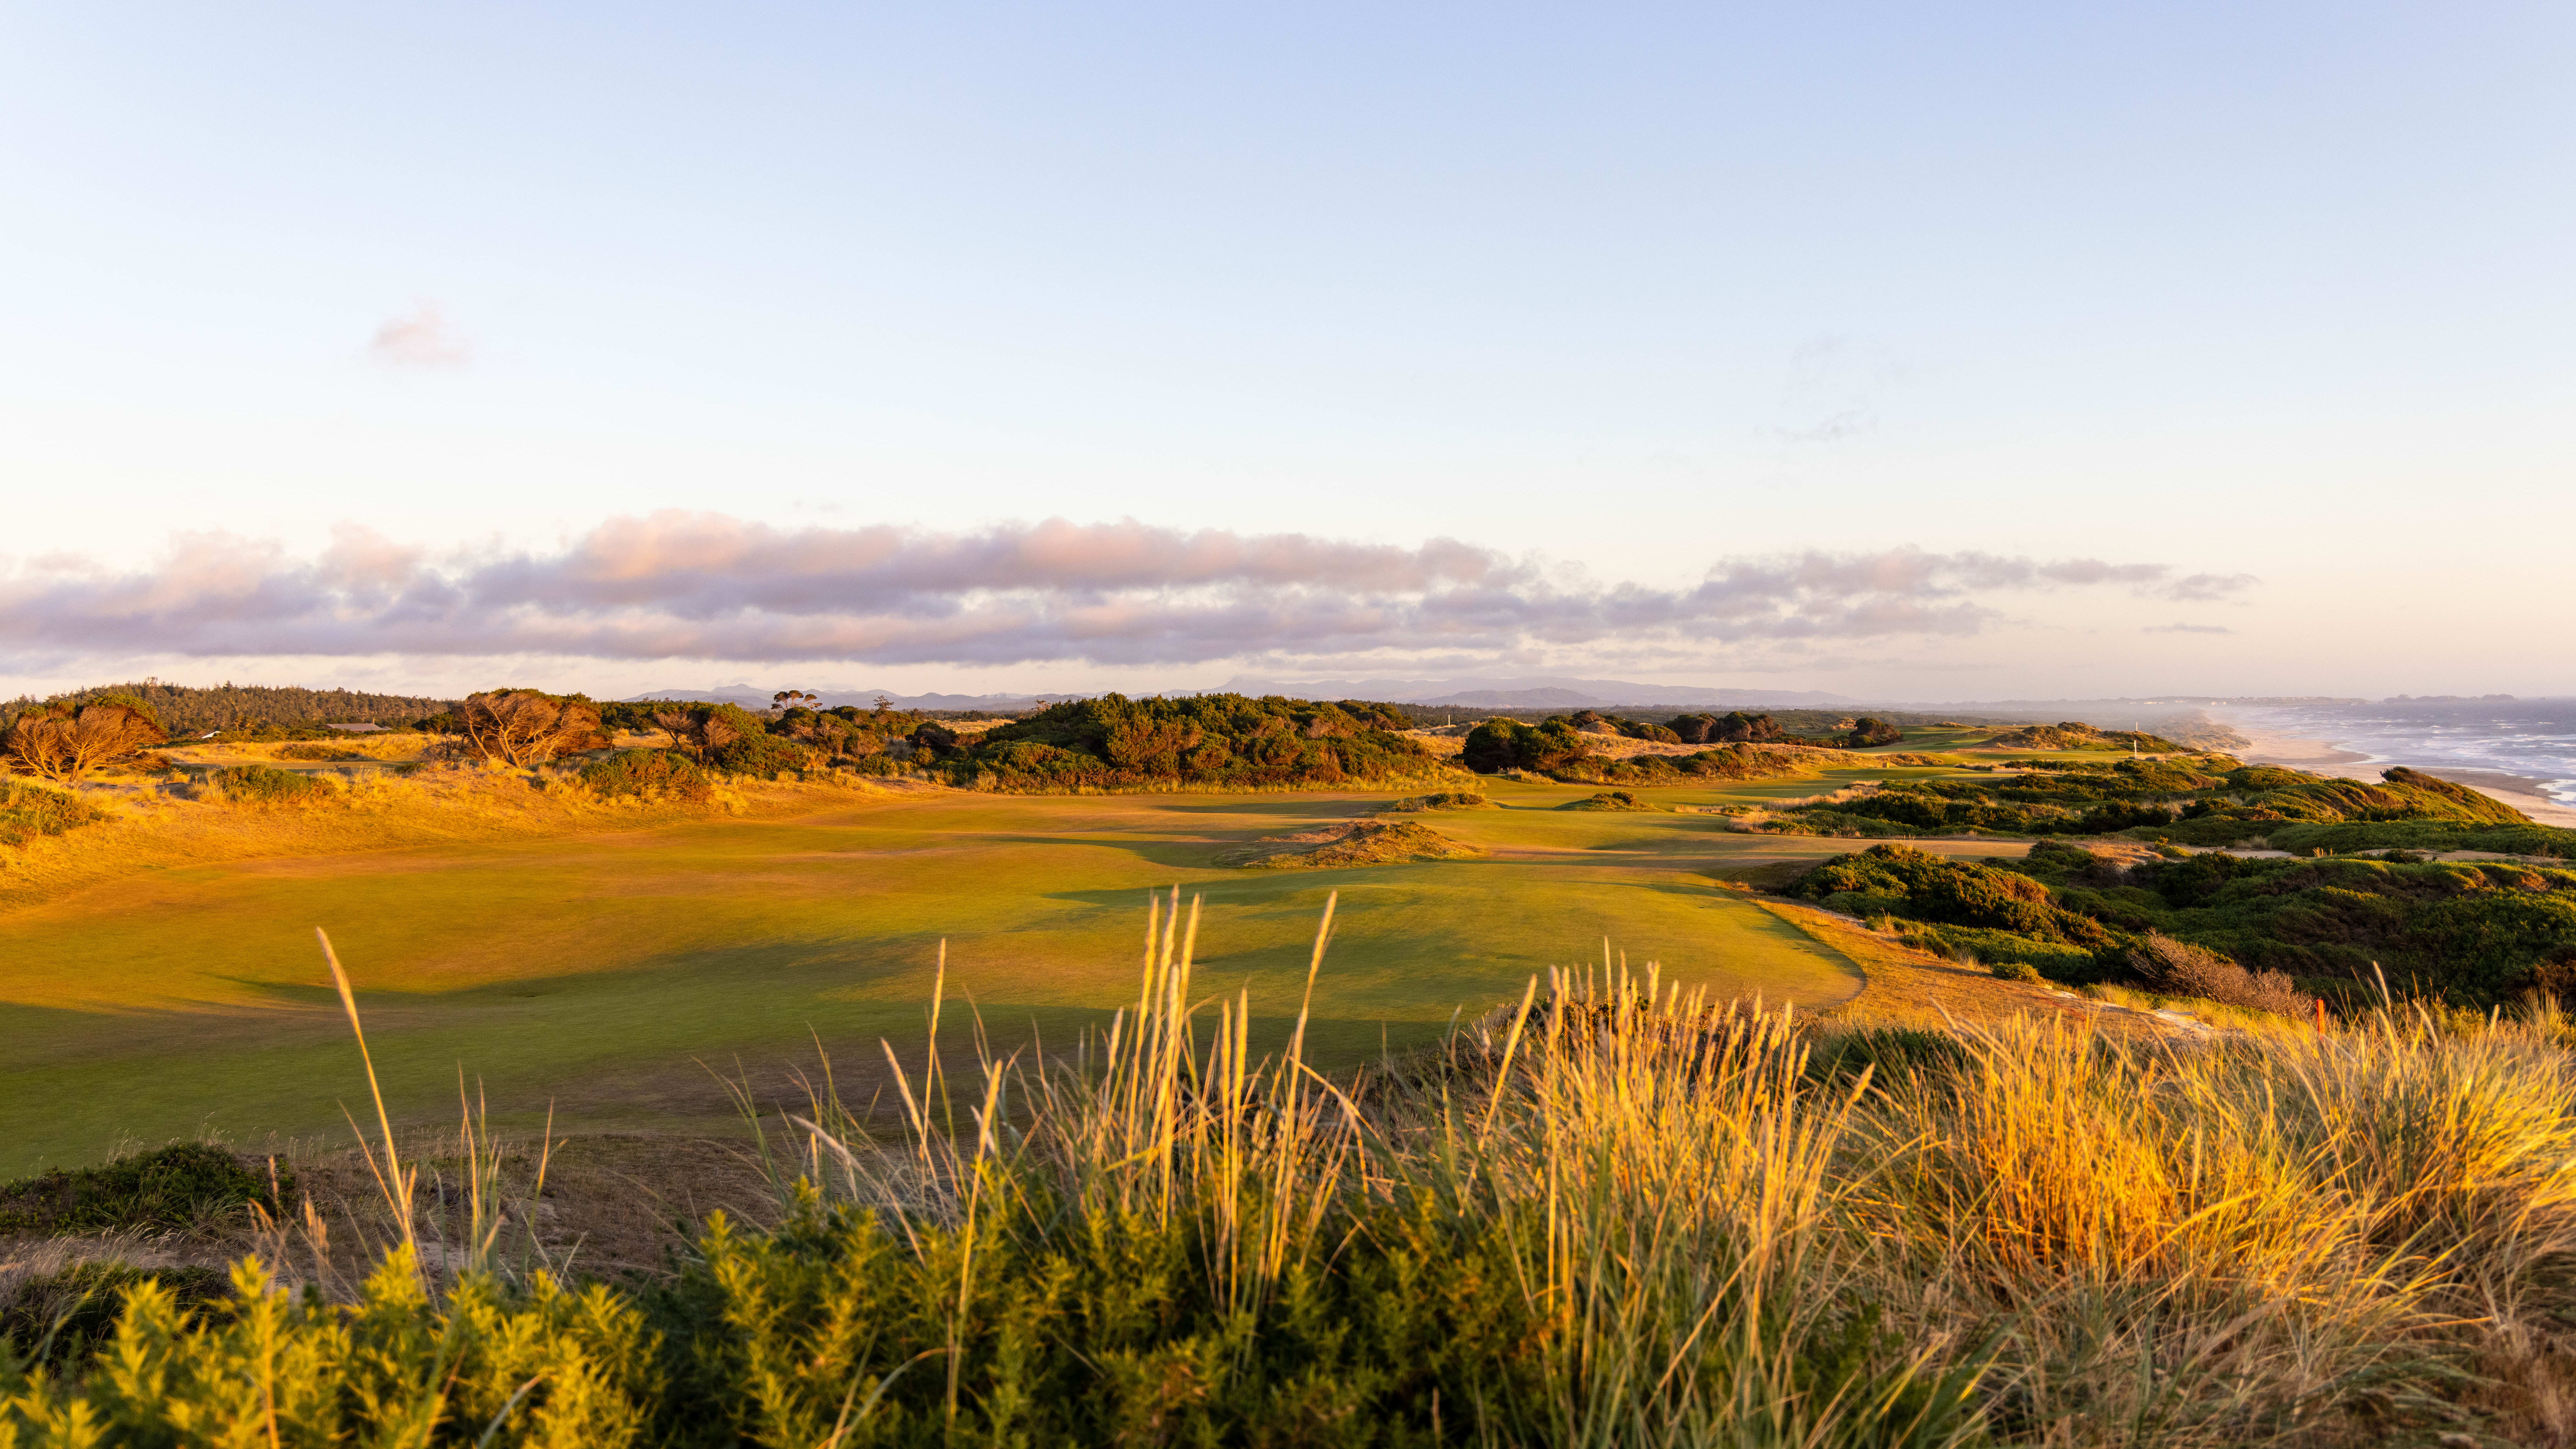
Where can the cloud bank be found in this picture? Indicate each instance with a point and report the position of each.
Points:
(702, 586)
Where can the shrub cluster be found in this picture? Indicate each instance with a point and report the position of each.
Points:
(27, 811)
(1732, 728)
(1867, 733)
(2200, 801)
(1208, 741)
(1559, 749)
(269, 785)
(177, 1186)
(650, 775)
(2183, 969)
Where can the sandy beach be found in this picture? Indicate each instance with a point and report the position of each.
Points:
(2323, 757)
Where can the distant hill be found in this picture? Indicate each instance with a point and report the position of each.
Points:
(185, 709)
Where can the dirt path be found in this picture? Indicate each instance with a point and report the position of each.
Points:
(1907, 987)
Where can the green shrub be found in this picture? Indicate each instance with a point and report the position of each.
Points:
(269, 785)
(60, 1319)
(174, 1187)
(1867, 732)
(650, 774)
(2346, 837)
(27, 811)
(762, 755)
(1446, 800)
(2015, 971)
(1208, 741)
(319, 753)
(536, 1365)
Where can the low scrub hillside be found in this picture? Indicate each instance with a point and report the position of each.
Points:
(1202, 742)
(2077, 735)
(1560, 749)
(2197, 800)
(2470, 933)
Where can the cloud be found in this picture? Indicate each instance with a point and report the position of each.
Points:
(2200, 588)
(2186, 629)
(422, 339)
(703, 586)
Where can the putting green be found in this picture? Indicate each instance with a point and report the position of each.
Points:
(608, 971)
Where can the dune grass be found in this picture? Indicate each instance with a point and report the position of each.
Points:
(1613, 1212)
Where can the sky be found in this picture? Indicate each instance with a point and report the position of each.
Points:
(1964, 352)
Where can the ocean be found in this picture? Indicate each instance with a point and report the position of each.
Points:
(2531, 739)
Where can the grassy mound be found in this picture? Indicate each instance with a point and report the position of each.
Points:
(175, 1187)
(1364, 842)
(269, 785)
(1608, 800)
(321, 754)
(650, 775)
(1451, 800)
(2077, 735)
(27, 811)
(61, 1319)
(2203, 800)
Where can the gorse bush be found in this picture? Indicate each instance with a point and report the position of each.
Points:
(62, 1319)
(1208, 741)
(1559, 750)
(27, 811)
(2204, 801)
(761, 754)
(173, 1187)
(1615, 1213)
(1444, 800)
(1867, 732)
(269, 785)
(650, 774)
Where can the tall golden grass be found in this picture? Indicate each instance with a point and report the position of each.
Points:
(2026, 1228)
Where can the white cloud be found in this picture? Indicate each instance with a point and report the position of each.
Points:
(702, 586)
(421, 339)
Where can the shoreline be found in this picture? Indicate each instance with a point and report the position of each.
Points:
(2325, 757)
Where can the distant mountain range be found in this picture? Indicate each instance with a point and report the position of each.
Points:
(1536, 692)
(750, 698)
(1532, 692)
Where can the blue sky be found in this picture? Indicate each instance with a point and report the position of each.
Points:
(1633, 297)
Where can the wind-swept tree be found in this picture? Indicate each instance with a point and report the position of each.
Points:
(521, 727)
(65, 741)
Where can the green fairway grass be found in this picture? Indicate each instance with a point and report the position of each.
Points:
(608, 971)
